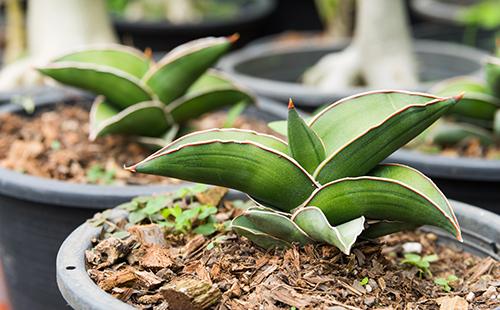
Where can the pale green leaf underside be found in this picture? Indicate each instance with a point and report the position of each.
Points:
(371, 146)
(381, 199)
(119, 88)
(270, 176)
(142, 119)
(496, 123)
(276, 225)
(242, 226)
(229, 134)
(172, 76)
(314, 223)
(189, 107)
(212, 79)
(126, 59)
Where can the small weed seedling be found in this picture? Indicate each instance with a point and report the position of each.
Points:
(421, 262)
(445, 282)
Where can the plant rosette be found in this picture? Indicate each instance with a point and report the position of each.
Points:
(177, 251)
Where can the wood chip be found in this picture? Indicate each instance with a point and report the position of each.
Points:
(452, 303)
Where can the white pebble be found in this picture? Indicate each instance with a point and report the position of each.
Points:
(470, 297)
(412, 247)
(368, 288)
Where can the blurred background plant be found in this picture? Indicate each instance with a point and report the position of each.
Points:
(472, 127)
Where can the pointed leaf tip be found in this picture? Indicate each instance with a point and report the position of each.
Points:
(290, 104)
(459, 96)
(234, 37)
(148, 53)
(130, 168)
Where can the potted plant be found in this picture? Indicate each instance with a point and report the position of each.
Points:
(316, 73)
(473, 22)
(52, 172)
(461, 152)
(162, 25)
(313, 200)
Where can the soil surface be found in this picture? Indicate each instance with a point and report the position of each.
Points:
(54, 144)
(150, 266)
(471, 148)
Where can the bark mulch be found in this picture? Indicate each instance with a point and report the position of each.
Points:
(54, 144)
(153, 267)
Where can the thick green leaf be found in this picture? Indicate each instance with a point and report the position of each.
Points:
(124, 58)
(360, 131)
(244, 227)
(314, 223)
(380, 199)
(189, 107)
(418, 182)
(382, 228)
(276, 225)
(228, 134)
(172, 76)
(270, 176)
(120, 88)
(142, 119)
(305, 145)
(447, 133)
(492, 69)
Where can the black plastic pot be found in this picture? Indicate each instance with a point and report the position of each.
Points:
(273, 69)
(472, 180)
(37, 214)
(162, 35)
(481, 232)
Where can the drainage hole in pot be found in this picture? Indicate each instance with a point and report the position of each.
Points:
(70, 267)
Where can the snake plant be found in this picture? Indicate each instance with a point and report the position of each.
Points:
(477, 115)
(326, 183)
(142, 98)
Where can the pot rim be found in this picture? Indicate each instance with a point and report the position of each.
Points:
(257, 10)
(88, 196)
(82, 293)
(461, 168)
(275, 89)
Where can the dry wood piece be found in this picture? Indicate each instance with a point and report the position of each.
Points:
(213, 196)
(151, 234)
(147, 279)
(118, 279)
(193, 245)
(155, 257)
(452, 303)
(108, 251)
(189, 293)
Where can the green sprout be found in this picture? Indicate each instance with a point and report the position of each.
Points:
(421, 262)
(364, 281)
(326, 184)
(445, 282)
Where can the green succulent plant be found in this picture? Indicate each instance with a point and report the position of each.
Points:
(146, 99)
(326, 183)
(477, 116)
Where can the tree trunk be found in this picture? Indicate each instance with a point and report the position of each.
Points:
(54, 27)
(380, 53)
